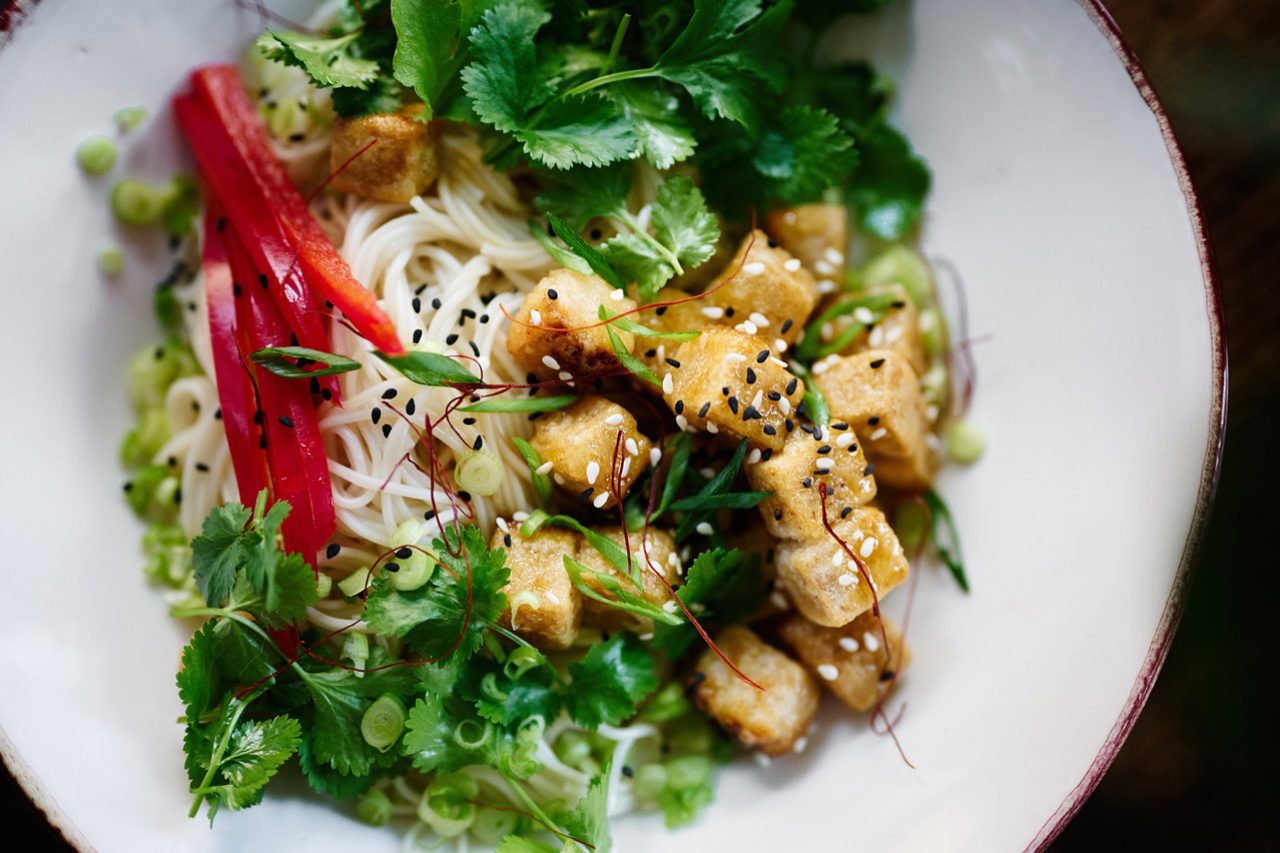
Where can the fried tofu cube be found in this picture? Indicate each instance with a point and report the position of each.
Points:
(565, 299)
(817, 234)
(880, 396)
(655, 552)
(770, 720)
(826, 585)
(852, 661)
(681, 317)
(763, 291)
(580, 442)
(898, 330)
(907, 473)
(733, 384)
(401, 162)
(543, 606)
(808, 460)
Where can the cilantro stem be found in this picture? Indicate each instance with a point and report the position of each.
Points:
(615, 77)
(534, 808)
(215, 758)
(616, 47)
(628, 218)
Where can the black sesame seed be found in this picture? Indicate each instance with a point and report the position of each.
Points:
(840, 425)
(596, 233)
(326, 394)
(451, 339)
(724, 391)
(733, 405)
(773, 244)
(873, 420)
(806, 428)
(404, 553)
(177, 495)
(786, 326)
(429, 514)
(879, 362)
(484, 318)
(262, 280)
(506, 539)
(314, 385)
(386, 430)
(551, 293)
(417, 291)
(628, 772)
(826, 448)
(236, 289)
(391, 567)
(789, 424)
(706, 407)
(202, 468)
(417, 305)
(410, 407)
(585, 494)
(869, 470)
(257, 417)
(332, 550)
(751, 376)
(469, 421)
(128, 487)
(897, 303)
(262, 442)
(173, 461)
(844, 513)
(775, 396)
(728, 312)
(469, 313)
(651, 353)
(661, 309)
(887, 675)
(417, 336)
(770, 429)
(478, 443)
(673, 363)
(436, 303)
(777, 515)
(475, 350)
(679, 407)
(293, 340)
(766, 454)
(791, 386)
(762, 356)
(751, 413)
(376, 414)
(389, 394)
(807, 482)
(464, 496)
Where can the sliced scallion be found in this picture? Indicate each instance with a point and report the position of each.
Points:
(383, 722)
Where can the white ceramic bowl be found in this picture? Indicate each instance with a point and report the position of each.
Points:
(1060, 196)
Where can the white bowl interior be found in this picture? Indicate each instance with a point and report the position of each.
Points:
(1054, 196)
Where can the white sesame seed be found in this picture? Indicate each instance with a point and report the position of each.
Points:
(593, 471)
(892, 335)
(754, 456)
(820, 367)
(553, 598)
(758, 399)
(662, 352)
(713, 312)
(759, 319)
(828, 671)
(708, 472)
(868, 546)
(824, 267)
(712, 428)
(789, 217)
(519, 516)
(801, 744)
(747, 328)
(551, 362)
(670, 607)
(837, 558)
(646, 636)
(556, 476)
(847, 579)
(673, 559)
(682, 422)
(775, 360)
(535, 317)
(753, 268)
(779, 600)
(784, 406)
(863, 315)
(779, 344)
(565, 376)
(632, 448)
(844, 439)
(655, 456)
(876, 338)
(626, 467)
(544, 468)
(880, 433)
(704, 528)
(502, 524)
(869, 640)
(759, 757)
(668, 384)
(791, 264)
(931, 412)
(826, 285)
(601, 500)
(834, 255)
(614, 419)
(825, 463)
(617, 295)
(735, 357)
(849, 644)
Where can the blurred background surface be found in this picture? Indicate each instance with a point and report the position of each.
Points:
(1199, 771)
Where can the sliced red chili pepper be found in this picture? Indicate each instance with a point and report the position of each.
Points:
(295, 449)
(223, 92)
(235, 394)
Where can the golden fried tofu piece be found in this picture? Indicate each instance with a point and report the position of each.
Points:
(543, 606)
(580, 442)
(655, 551)
(817, 234)
(681, 317)
(565, 299)
(400, 163)
(908, 473)
(879, 395)
(897, 331)
(811, 458)
(826, 585)
(852, 661)
(770, 720)
(762, 291)
(733, 384)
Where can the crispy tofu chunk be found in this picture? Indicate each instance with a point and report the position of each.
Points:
(807, 461)
(763, 291)
(565, 299)
(733, 384)
(770, 720)
(852, 662)
(543, 606)
(683, 317)
(908, 473)
(817, 234)
(879, 395)
(579, 442)
(898, 331)
(828, 587)
(657, 550)
(400, 164)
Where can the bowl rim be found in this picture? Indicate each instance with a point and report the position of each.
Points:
(15, 13)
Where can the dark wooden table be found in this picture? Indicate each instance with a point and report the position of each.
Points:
(1199, 770)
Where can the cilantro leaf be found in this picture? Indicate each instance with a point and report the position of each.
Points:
(589, 820)
(339, 699)
(803, 154)
(219, 550)
(327, 61)
(442, 617)
(889, 186)
(431, 44)
(597, 262)
(442, 740)
(609, 681)
(520, 844)
(383, 95)
(639, 261)
(727, 58)
(503, 82)
(510, 699)
(682, 222)
(197, 680)
(584, 130)
(724, 585)
(663, 138)
(579, 195)
(323, 779)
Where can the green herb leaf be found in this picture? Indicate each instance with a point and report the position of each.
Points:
(558, 253)
(889, 187)
(430, 368)
(610, 681)
(222, 547)
(682, 222)
(629, 361)
(599, 263)
(541, 482)
(640, 260)
(589, 820)
(431, 44)
(295, 362)
(722, 586)
(327, 61)
(523, 404)
(726, 500)
(662, 137)
(338, 700)
(942, 522)
(584, 130)
(579, 195)
(622, 595)
(626, 324)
